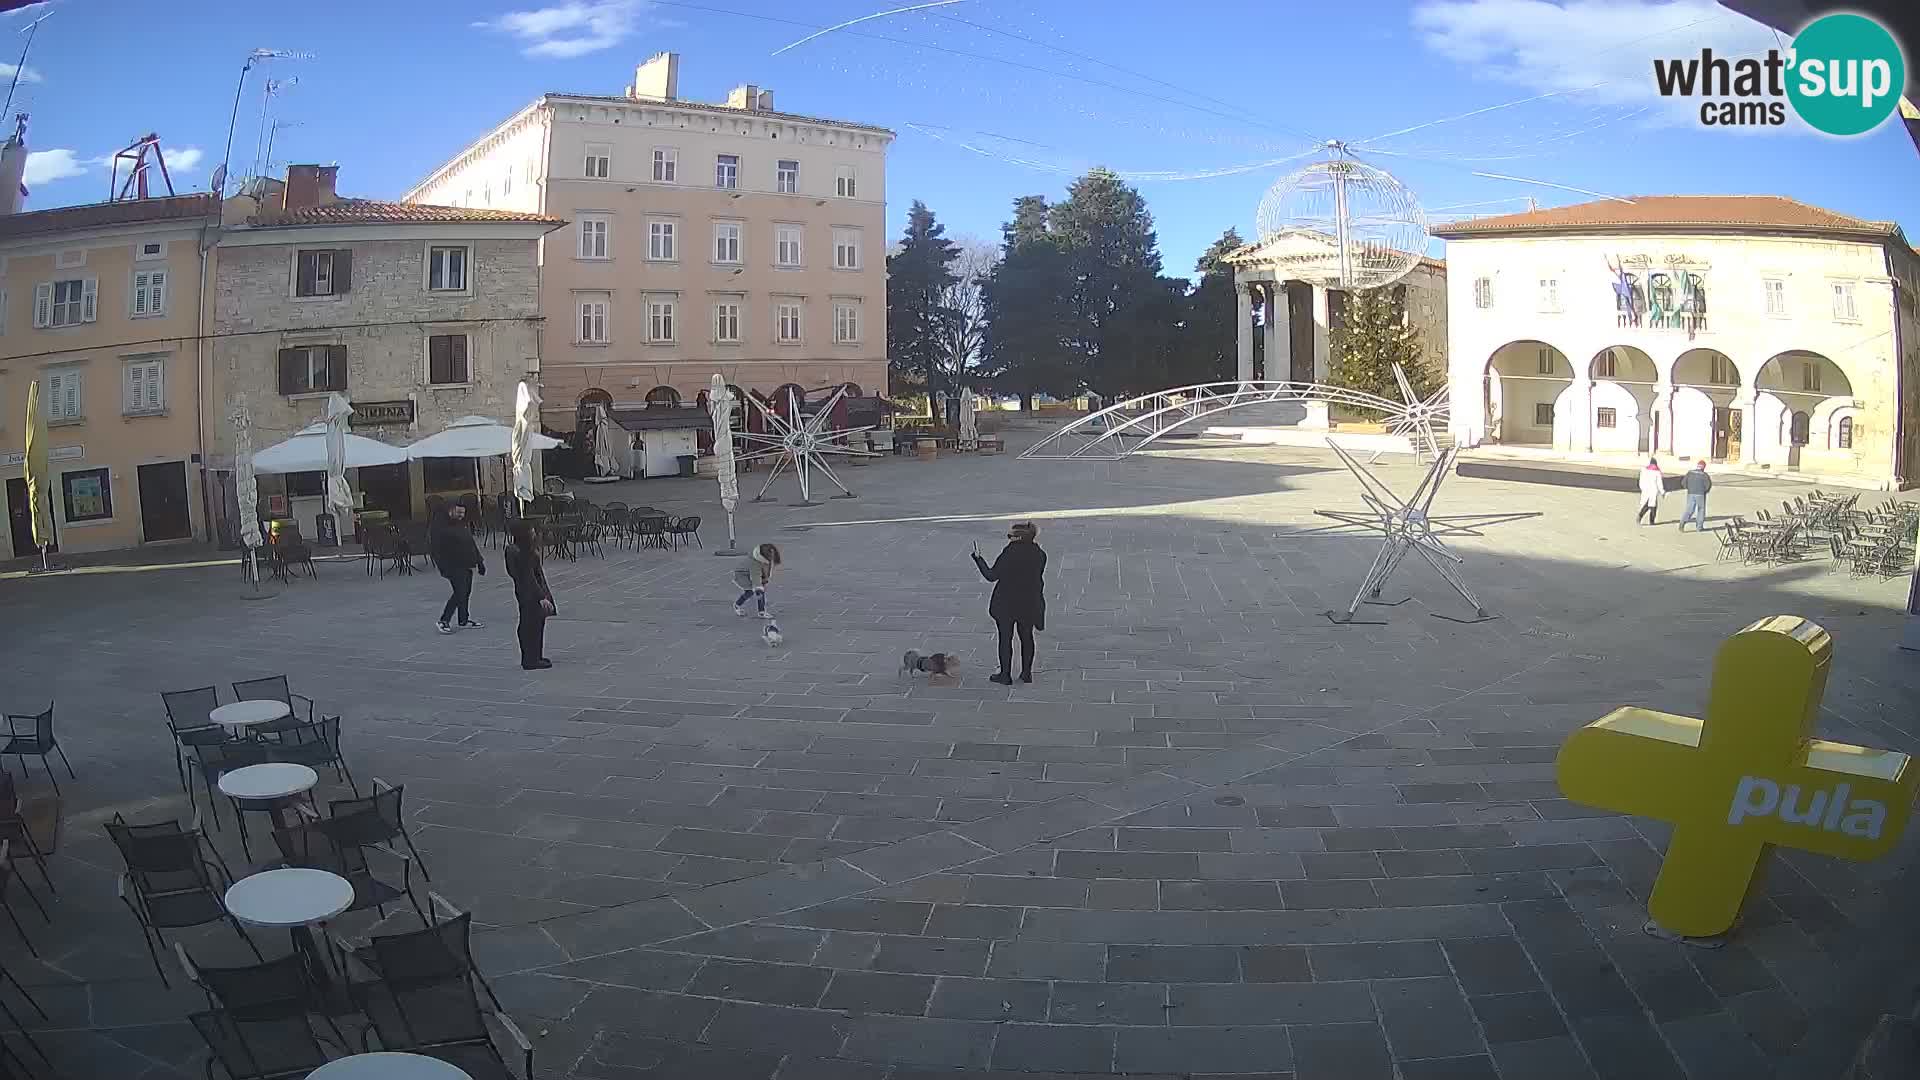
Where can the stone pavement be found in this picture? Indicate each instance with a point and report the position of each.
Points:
(1218, 835)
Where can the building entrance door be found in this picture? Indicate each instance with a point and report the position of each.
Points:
(386, 487)
(1300, 332)
(163, 502)
(20, 522)
(1723, 420)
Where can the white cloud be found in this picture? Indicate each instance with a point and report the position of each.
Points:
(45, 166)
(184, 159)
(27, 74)
(1606, 44)
(572, 28)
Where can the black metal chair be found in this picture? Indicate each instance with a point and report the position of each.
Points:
(173, 885)
(313, 846)
(187, 712)
(38, 742)
(650, 531)
(684, 529)
(214, 760)
(281, 1048)
(439, 1018)
(443, 949)
(15, 829)
(384, 548)
(274, 688)
(316, 745)
(373, 819)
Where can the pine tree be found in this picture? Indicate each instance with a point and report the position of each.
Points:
(1211, 351)
(1026, 296)
(918, 274)
(1113, 258)
(1373, 336)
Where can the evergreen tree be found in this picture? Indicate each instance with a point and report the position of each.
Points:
(1113, 259)
(1374, 335)
(918, 274)
(1024, 350)
(1210, 352)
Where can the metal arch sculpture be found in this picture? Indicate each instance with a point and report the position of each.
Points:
(802, 442)
(1404, 525)
(1104, 435)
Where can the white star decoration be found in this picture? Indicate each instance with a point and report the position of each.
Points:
(1417, 419)
(801, 444)
(1406, 525)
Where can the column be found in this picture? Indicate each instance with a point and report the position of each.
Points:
(1322, 334)
(1279, 333)
(1243, 339)
(1662, 407)
(1579, 420)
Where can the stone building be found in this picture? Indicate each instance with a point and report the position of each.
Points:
(418, 314)
(706, 238)
(1749, 330)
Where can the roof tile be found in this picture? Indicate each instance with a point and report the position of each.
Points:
(102, 215)
(1717, 212)
(374, 212)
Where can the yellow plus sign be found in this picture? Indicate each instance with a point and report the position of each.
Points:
(1748, 777)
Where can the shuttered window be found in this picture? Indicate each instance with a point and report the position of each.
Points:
(146, 382)
(447, 360)
(65, 398)
(313, 369)
(149, 292)
(323, 272)
(65, 303)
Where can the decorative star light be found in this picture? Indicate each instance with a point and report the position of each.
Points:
(803, 444)
(1417, 419)
(1406, 526)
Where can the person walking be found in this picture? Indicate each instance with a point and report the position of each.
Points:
(531, 593)
(753, 576)
(1653, 484)
(456, 556)
(1697, 483)
(1019, 604)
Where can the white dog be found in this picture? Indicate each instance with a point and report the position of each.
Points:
(772, 636)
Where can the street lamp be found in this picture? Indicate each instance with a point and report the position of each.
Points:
(254, 57)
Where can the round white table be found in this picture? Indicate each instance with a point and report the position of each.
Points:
(274, 780)
(238, 716)
(290, 898)
(388, 1067)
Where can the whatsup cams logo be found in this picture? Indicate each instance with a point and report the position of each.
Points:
(1843, 75)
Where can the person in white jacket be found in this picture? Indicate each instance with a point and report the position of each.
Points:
(1653, 484)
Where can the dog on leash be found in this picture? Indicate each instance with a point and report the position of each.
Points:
(772, 635)
(931, 664)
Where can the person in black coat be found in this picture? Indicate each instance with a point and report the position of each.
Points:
(456, 556)
(1018, 604)
(530, 592)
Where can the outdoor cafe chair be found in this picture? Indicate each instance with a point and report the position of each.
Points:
(282, 1048)
(39, 741)
(650, 531)
(15, 829)
(439, 1018)
(441, 949)
(169, 883)
(383, 548)
(187, 712)
(275, 989)
(374, 819)
(274, 688)
(316, 745)
(313, 846)
(215, 760)
(680, 530)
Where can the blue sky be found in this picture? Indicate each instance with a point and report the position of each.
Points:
(992, 98)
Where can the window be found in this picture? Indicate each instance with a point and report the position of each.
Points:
(593, 318)
(846, 323)
(786, 245)
(1605, 366)
(447, 360)
(1549, 294)
(1606, 417)
(1810, 377)
(660, 319)
(787, 322)
(322, 273)
(660, 240)
(599, 161)
(1546, 361)
(146, 387)
(666, 165)
(1843, 440)
(726, 241)
(786, 177)
(726, 321)
(66, 399)
(151, 249)
(845, 181)
(313, 369)
(149, 293)
(846, 249)
(726, 171)
(1723, 373)
(446, 474)
(446, 269)
(1483, 293)
(88, 495)
(595, 236)
(64, 303)
(1543, 414)
(1776, 294)
(663, 397)
(1843, 308)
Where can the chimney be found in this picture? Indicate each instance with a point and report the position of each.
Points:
(309, 186)
(13, 166)
(657, 79)
(742, 97)
(764, 101)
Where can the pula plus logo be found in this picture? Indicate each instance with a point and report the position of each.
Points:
(1843, 75)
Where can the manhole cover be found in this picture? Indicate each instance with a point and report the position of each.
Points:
(1229, 800)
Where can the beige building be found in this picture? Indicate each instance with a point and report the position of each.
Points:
(418, 314)
(1749, 330)
(102, 305)
(704, 238)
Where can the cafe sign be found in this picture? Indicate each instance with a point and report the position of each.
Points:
(16, 458)
(381, 413)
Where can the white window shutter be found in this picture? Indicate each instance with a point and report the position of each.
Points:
(154, 395)
(135, 386)
(43, 303)
(157, 291)
(89, 294)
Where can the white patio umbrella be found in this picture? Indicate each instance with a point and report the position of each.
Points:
(306, 451)
(605, 460)
(245, 490)
(526, 424)
(720, 405)
(969, 421)
(474, 437)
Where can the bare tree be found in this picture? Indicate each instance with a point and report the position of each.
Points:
(964, 305)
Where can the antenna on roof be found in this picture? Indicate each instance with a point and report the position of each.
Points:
(30, 30)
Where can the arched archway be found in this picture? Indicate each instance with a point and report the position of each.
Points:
(1619, 409)
(1523, 385)
(1703, 418)
(663, 397)
(1799, 396)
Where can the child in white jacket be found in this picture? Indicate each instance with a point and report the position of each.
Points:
(753, 576)
(1653, 484)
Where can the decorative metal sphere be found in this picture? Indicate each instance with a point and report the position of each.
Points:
(1353, 226)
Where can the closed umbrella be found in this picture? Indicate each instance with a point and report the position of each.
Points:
(606, 460)
(245, 489)
(969, 421)
(720, 406)
(39, 494)
(526, 424)
(339, 496)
